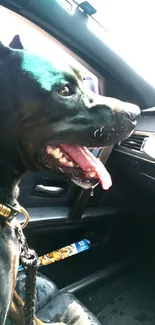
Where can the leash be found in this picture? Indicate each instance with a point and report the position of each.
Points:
(30, 262)
(29, 259)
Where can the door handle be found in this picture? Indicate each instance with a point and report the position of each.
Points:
(49, 189)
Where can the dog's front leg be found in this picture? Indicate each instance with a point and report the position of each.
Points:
(16, 314)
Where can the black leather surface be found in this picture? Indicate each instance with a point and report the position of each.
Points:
(52, 306)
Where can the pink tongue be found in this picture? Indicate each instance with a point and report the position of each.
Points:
(88, 162)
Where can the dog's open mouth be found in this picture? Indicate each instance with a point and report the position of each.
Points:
(81, 166)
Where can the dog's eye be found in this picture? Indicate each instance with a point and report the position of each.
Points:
(65, 91)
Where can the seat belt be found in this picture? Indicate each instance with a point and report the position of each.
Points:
(84, 195)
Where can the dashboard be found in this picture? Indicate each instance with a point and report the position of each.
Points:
(132, 154)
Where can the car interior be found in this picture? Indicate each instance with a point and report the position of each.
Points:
(112, 276)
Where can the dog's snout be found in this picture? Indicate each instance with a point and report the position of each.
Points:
(133, 112)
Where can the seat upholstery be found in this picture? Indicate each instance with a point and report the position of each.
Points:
(53, 306)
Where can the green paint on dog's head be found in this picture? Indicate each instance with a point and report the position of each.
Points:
(39, 70)
(46, 73)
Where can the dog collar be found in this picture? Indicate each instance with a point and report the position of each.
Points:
(7, 213)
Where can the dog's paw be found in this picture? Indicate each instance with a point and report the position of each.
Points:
(76, 315)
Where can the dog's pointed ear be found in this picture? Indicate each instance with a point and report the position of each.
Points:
(16, 43)
(4, 51)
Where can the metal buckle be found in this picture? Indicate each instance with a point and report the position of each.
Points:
(7, 211)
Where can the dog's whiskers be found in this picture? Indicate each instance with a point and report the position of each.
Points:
(101, 132)
(95, 133)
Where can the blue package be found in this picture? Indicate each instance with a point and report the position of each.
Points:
(63, 253)
(81, 245)
(20, 268)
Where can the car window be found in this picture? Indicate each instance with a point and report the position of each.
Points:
(36, 40)
(128, 28)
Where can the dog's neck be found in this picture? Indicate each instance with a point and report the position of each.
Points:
(11, 170)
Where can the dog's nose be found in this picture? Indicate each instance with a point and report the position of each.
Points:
(133, 112)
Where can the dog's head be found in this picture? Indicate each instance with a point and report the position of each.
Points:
(51, 117)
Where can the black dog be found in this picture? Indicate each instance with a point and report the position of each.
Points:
(47, 119)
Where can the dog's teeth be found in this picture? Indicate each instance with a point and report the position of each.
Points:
(63, 160)
(92, 174)
(54, 152)
(57, 153)
(50, 150)
(70, 164)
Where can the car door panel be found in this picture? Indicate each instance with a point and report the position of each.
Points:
(30, 197)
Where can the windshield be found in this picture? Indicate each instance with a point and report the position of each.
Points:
(129, 29)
